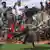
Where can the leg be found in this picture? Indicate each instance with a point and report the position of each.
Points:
(34, 37)
(38, 36)
(25, 39)
(5, 36)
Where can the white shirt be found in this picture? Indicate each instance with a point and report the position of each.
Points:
(13, 11)
(18, 9)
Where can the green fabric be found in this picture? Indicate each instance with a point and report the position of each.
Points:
(16, 27)
(22, 22)
(17, 17)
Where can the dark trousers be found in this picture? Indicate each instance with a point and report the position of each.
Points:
(32, 38)
(49, 32)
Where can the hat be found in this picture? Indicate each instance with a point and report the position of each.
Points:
(4, 2)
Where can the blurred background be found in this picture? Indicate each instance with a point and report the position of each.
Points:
(29, 3)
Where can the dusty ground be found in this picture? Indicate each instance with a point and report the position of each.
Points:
(20, 42)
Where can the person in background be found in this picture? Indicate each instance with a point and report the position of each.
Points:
(14, 9)
(42, 7)
(46, 7)
(4, 9)
(26, 15)
(48, 23)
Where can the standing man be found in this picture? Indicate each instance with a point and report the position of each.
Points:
(4, 9)
(42, 7)
(4, 16)
(46, 5)
(48, 22)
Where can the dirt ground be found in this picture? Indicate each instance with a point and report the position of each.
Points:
(20, 42)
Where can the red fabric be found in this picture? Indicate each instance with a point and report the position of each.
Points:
(12, 27)
(49, 3)
(22, 28)
(10, 35)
